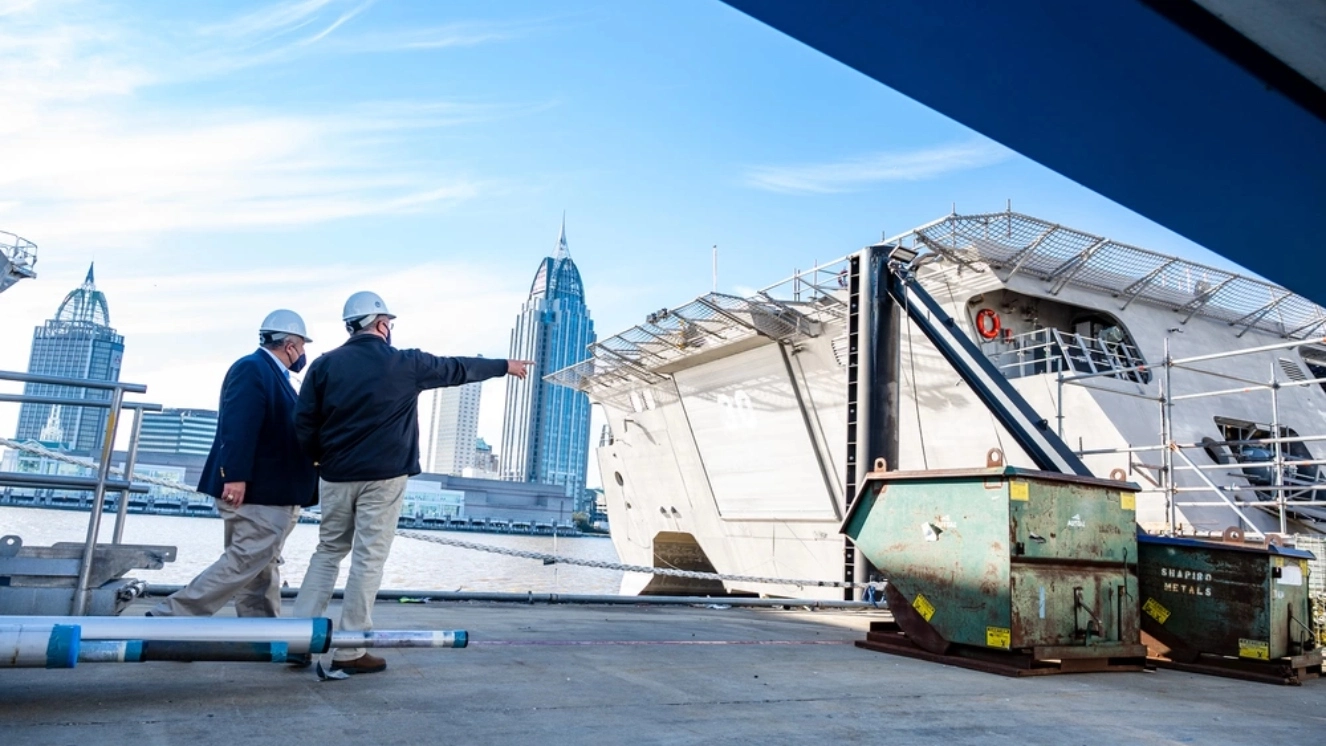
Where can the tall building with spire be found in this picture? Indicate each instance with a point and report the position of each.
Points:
(545, 436)
(78, 343)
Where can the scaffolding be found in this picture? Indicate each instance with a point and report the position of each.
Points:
(1259, 470)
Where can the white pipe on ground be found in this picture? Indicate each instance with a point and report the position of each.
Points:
(38, 645)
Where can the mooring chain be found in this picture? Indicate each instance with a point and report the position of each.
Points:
(419, 536)
(601, 565)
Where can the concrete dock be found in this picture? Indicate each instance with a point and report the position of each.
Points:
(639, 675)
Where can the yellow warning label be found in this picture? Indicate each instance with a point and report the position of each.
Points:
(1018, 491)
(1254, 649)
(1155, 610)
(1128, 500)
(1277, 561)
(1304, 564)
(924, 607)
(997, 637)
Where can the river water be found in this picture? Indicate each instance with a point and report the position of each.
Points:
(412, 565)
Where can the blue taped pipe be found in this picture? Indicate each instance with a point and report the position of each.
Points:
(320, 642)
(300, 635)
(62, 647)
(39, 645)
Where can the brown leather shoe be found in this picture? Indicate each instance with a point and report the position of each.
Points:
(366, 663)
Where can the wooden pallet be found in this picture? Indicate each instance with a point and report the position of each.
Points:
(887, 637)
(1292, 671)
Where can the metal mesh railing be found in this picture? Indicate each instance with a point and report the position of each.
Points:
(17, 249)
(18, 259)
(1020, 244)
(647, 352)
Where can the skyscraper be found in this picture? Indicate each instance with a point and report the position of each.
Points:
(545, 436)
(453, 428)
(179, 431)
(78, 343)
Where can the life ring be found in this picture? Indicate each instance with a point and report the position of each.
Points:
(987, 323)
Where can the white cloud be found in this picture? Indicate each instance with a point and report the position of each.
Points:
(85, 155)
(95, 152)
(860, 172)
(272, 20)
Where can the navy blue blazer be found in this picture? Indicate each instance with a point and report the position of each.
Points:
(255, 437)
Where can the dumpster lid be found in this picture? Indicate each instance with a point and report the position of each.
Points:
(1185, 541)
(1000, 472)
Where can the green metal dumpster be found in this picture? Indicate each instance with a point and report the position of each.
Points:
(1038, 564)
(1229, 607)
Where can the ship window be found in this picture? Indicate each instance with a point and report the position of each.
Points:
(1315, 360)
(1244, 443)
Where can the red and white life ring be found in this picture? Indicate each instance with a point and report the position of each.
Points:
(987, 323)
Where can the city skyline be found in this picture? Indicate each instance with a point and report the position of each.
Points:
(545, 433)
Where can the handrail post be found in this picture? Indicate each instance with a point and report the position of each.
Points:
(1059, 406)
(1278, 469)
(130, 461)
(81, 590)
(1167, 454)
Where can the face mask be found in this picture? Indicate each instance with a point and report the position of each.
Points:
(299, 363)
(389, 338)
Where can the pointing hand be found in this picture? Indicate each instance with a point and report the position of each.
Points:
(518, 368)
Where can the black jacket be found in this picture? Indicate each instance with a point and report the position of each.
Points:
(358, 407)
(255, 437)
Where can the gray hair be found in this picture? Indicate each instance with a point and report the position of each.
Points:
(275, 340)
(362, 324)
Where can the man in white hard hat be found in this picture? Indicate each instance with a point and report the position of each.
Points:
(357, 418)
(258, 474)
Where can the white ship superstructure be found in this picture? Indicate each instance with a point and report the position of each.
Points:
(737, 426)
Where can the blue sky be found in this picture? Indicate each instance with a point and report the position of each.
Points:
(218, 160)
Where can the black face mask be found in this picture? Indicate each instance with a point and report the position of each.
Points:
(299, 363)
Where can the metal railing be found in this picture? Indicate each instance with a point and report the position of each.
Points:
(1054, 351)
(99, 484)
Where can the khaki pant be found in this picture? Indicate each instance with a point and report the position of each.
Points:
(249, 569)
(358, 516)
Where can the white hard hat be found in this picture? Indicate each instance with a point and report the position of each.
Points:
(364, 303)
(284, 322)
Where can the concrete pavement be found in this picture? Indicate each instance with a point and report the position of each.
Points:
(576, 675)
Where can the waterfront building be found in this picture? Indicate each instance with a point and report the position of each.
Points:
(77, 343)
(545, 435)
(453, 426)
(486, 463)
(183, 431)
